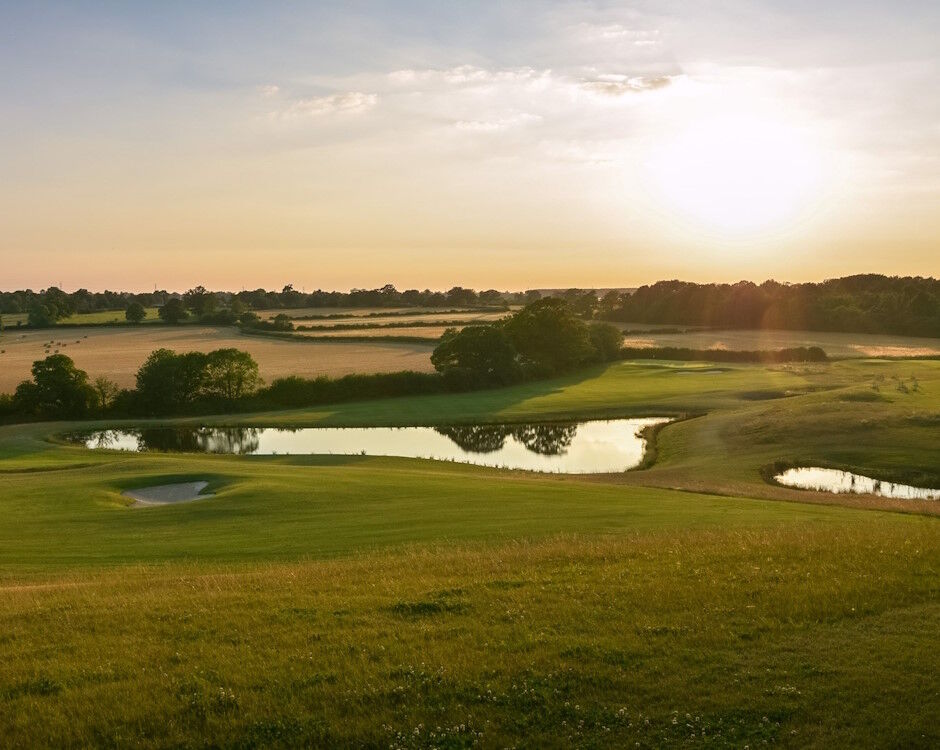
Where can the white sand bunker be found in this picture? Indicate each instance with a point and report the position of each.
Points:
(166, 494)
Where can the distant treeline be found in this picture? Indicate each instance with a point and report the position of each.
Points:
(54, 304)
(855, 304)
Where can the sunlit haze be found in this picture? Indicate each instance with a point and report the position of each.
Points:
(488, 144)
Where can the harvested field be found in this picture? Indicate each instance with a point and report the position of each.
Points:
(118, 352)
(404, 320)
(431, 333)
(835, 344)
(356, 312)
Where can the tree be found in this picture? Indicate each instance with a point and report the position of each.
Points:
(58, 301)
(167, 381)
(42, 315)
(200, 300)
(549, 336)
(173, 311)
(606, 340)
(135, 312)
(105, 391)
(231, 374)
(282, 322)
(58, 389)
(481, 352)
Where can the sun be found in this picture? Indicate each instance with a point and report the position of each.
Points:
(737, 173)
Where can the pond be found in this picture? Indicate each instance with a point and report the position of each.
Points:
(593, 447)
(838, 481)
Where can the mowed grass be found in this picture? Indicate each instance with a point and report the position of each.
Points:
(118, 352)
(360, 601)
(834, 344)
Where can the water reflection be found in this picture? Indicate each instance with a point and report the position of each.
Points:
(546, 439)
(585, 447)
(837, 481)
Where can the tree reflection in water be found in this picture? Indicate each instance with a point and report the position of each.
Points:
(237, 440)
(544, 439)
(104, 439)
(480, 438)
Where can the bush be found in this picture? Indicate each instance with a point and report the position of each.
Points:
(795, 354)
(223, 317)
(294, 392)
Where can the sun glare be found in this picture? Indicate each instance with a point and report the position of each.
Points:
(738, 174)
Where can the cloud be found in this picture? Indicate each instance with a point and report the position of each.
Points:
(615, 32)
(347, 102)
(462, 75)
(618, 85)
(494, 126)
(587, 153)
(269, 90)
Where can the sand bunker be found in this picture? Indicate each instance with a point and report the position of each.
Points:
(166, 494)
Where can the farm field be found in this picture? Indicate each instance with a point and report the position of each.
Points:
(372, 313)
(404, 320)
(431, 333)
(84, 319)
(834, 344)
(374, 601)
(117, 352)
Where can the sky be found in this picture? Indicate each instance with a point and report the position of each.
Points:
(486, 144)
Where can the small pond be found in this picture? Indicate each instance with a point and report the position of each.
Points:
(835, 480)
(593, 447)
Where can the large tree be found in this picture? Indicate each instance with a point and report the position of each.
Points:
(481, 352)
(549, 336)
(167, 381)
(231, 374)
(173, 311)
(58, 389)
(200, 300)
(135, 312)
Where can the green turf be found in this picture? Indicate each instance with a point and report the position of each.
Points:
(355, 601)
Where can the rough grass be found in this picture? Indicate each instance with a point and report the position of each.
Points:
(801, 636)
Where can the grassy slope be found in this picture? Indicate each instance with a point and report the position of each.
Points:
(800, 624)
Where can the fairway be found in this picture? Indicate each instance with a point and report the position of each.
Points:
(117, 352)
